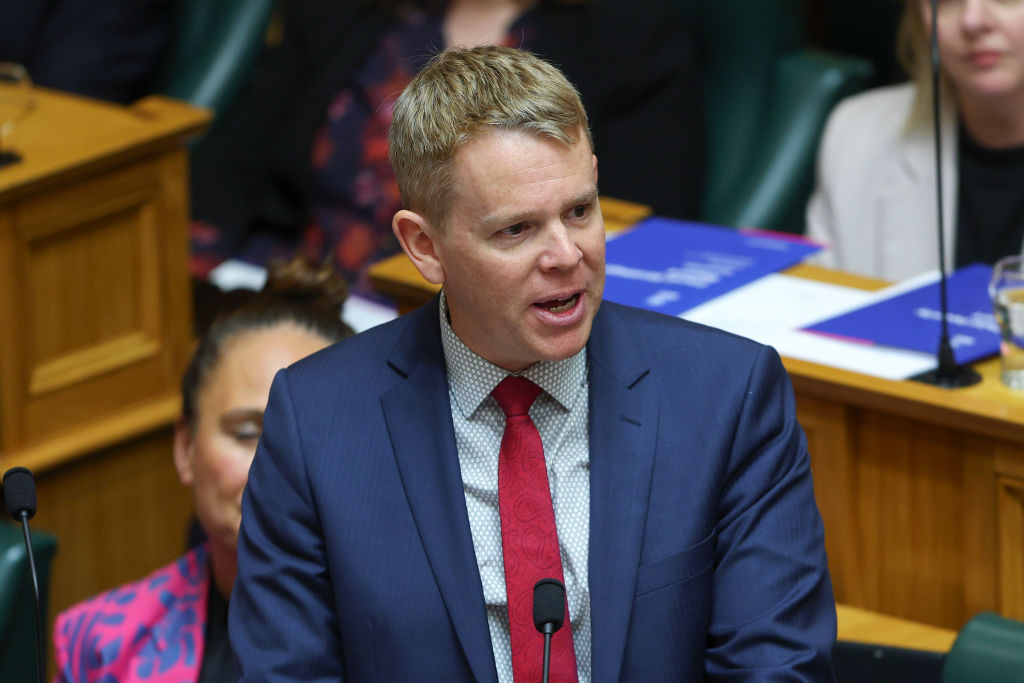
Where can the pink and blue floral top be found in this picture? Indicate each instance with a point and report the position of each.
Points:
(151, 630)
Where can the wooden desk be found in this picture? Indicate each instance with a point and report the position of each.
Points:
(863, 626)
(921, 489)
(95, 330)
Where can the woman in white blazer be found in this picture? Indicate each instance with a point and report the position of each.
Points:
(875, 200)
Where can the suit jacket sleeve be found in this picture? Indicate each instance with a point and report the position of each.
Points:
(282, 622)
(773, 614)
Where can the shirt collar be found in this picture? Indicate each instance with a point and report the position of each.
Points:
(472, 379)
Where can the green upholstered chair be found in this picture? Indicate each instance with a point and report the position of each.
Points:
(767, 98)
(214, 47)
(17, 605)
(988, 648)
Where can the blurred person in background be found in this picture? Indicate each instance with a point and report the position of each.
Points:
(875, 201)
(110, 50)
(172, 625)
(303, 166)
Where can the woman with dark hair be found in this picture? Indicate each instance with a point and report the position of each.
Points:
(875, 201)
(172, 625)
(304, 164)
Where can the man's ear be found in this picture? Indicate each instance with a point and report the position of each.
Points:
(184, 452)
(419, 241)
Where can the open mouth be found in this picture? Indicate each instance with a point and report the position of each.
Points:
(559, 305)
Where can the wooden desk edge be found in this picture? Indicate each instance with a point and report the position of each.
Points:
(169, 123)
(74, 443)
(864, 626)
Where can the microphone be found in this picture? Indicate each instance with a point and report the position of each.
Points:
(20, 493)
(548, 613)
(947, 373)
(20, 497)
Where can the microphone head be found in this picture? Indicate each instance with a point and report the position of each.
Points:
(548, 604)
(20, 492)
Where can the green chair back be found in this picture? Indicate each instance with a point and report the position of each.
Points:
(767, 99)
(17, 604)
(215, 45)
(988, 648)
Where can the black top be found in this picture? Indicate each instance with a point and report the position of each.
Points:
(218, 661)
(990, 210)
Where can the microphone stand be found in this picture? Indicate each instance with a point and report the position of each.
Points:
(948, 374)
(549, 629)
(40, 638)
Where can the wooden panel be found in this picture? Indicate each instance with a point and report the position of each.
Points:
(979, 522)
(102, 291)
(12, 373)
(118, 515)
(95, 301)
(1011, 547)
(835, 477)
(908, 512)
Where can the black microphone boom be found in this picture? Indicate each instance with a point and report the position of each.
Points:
(947, 373)
(548, 614)
(20, 497)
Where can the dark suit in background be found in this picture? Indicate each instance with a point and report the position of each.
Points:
(635, 69)
(109, 49)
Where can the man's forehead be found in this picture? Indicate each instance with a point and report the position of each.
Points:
(516, 157)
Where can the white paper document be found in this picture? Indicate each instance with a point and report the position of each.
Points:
(772, 310)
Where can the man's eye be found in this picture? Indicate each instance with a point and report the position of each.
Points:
(579, 211)
(513, 230)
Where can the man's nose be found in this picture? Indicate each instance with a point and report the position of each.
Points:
(560, 249)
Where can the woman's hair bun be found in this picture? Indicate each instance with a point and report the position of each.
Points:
(303, 282)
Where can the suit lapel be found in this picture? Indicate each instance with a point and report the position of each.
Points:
(623, 424)
(420, 426)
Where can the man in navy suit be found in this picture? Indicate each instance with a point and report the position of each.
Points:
(371, 546)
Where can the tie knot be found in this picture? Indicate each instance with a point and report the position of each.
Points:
(515, 395)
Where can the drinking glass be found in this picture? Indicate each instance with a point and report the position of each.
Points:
(1007, 292)
(16, 101)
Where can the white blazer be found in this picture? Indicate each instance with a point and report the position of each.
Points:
(875, 203)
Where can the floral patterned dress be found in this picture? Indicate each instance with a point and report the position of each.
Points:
(151, 630)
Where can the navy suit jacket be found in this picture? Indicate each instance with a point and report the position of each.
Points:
(707, 556)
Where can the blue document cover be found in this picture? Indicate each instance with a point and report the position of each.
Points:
(911, 320)
(670, 266)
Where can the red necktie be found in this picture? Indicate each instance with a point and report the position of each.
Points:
(529, 538)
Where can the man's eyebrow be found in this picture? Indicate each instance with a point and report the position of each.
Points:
(506, 219)
(588, 197)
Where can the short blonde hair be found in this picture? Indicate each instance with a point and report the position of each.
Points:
(462, 92)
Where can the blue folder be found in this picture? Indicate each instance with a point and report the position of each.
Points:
(912, 320)
(670, 266)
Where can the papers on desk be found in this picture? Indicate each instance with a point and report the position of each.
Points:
(773, 309)
(908, 316)
(892, 333)
(728, 279)
(670, 266)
